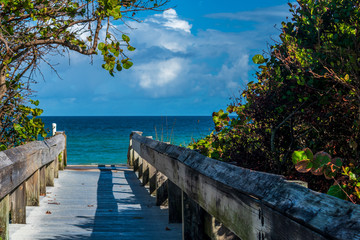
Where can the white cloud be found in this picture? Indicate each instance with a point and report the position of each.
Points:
(159, 74)
(170, 19)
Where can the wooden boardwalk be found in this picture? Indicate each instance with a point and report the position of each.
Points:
(96, 203)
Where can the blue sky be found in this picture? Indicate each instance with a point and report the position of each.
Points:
(189, 60)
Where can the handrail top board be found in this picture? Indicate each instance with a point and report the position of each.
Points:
(330, 217)
(19, 163)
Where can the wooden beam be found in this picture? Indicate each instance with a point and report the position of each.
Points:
(42, 173)
(4, 217)
(50, 174)
(193, 220)
(33, 189)
(19, 163)
(18, 205)
(175, 203)
(252, 204)
(161, 189)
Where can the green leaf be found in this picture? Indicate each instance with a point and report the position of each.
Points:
(298, 156)
(118, 67)
(125, 38)
(131, 48)
(258, 59)
(101, 46)
(127, 65)
(336, 191)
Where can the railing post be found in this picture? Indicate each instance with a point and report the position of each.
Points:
(18, 204)
(4, 217)
(175, 203)
(130, 155)
(61, 161)
(193, 219)
(161, 188)
(42, 172)
(152, 179)
(145, 173)
(49, 174)
(56, 167)
(33, 190)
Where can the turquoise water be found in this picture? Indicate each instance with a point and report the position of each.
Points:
(105, 140)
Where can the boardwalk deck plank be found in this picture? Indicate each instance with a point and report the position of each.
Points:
(105, 203)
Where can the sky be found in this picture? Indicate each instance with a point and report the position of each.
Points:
(189, 61)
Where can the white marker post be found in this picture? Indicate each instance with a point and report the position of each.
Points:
(53, 129)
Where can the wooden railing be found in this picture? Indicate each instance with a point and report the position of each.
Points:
(213, 199)
(25, 171)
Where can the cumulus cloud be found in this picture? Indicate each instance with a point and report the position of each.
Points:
(170, 19)
(171, 61)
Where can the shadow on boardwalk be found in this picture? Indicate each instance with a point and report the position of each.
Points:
(124, 210)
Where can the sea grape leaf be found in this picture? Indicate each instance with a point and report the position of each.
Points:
(298, 156)
(303, 166)
(336, 191)
(258, 59)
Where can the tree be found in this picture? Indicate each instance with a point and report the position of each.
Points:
(30, 30)
(307, 95)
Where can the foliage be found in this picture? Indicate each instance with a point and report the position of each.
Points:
(346, 179)
(307, 95)
(30, 31)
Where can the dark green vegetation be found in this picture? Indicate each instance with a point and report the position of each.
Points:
(31, 31)
(307, 96)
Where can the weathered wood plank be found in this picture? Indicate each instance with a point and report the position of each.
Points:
(145, 173)
(216, 230)
(42, 173)
(152, 179)
(18, 205)
(175, 203)
(161, 189)
(33, 189)
(193, 220)
(56, 167)
(19, 163)
(106, 204)
(252, 204)
(4, 217)
(50, 174)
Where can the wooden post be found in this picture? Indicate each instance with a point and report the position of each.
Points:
(18, 205)
(56, 167)
(42, 172)
(131, 156)
(140, 169)
(136, 161)
(33, 190)
(216, 230)
(62, 158)
(161, 189)
(49, 174)
(65, 151)
(193, 220)
(61, 161)
(4, 217)
(53, 129)
(145, 172)
(175, 203)
(152, 180)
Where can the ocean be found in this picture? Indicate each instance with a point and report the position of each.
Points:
(105, 140)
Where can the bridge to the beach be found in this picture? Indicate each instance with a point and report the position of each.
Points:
(164, 192)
